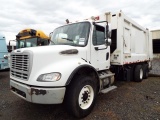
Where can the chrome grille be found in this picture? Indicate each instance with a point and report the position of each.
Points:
(20, 66)
(19, 75)
(21, 62)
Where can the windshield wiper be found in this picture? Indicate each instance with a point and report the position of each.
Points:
(68, 39)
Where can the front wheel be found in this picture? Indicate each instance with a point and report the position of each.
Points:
(80, 96)
(86, 97)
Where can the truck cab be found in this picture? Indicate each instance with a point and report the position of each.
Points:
(76, 50)
(89, 36)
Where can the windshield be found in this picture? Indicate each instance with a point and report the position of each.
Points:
(31, 42)
(73, 34)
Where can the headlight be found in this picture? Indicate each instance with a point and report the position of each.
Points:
(49, 77)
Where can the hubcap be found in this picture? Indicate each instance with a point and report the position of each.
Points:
(86, 97)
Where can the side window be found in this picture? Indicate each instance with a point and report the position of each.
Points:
(22, 44)
(98, 35)
(42, 42)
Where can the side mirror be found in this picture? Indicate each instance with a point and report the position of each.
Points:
(50, 34)
(5, 56)
(108, 42)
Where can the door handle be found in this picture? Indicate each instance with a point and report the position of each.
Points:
(97, 48)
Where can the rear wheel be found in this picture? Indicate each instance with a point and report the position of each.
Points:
(145, 71)
(80, 96)
(138, 73)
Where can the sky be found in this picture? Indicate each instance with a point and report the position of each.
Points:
(46, 15)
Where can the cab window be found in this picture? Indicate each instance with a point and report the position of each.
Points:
(98, 35)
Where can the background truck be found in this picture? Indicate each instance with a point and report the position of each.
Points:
(81, 61)
(3, 51)
(28, 38)
(31, 38)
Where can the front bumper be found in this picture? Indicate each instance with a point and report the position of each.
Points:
(38, 94)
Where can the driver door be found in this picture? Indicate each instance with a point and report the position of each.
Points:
(100, 55)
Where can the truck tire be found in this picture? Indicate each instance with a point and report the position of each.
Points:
(138, 73)
(145, 71)
(80, 96)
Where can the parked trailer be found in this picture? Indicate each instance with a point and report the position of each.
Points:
(81, 62)
(3, 52)
(156, 43)
(156, 53)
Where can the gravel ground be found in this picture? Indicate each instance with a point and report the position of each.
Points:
(130, 101)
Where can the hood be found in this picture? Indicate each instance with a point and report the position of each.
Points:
(61, 49)
(47, 59)
(54, 53)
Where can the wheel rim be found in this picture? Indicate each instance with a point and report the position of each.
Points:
(141, 73)
(86, 97)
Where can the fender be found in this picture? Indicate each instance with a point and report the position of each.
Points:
(77, 69)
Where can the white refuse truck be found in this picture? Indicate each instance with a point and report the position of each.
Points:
(82, 61)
